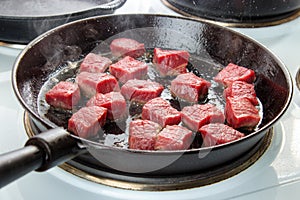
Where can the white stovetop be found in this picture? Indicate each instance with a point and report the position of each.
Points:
(276, 175)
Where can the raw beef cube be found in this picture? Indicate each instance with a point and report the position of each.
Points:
(63, 95)
(217, 133)
(92, 83)
(241, 113)
(127, 47)
(160, 111)
(200, 114)
(174, 138)
(128, 68)
(94, 63)
(170, 62)
(141, 90)
(241, 89)
(234, 72)
(142, 134)
(113, 101)
(87, 121)
(189, 87)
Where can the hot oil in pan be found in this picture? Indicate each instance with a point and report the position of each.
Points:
(115, 133)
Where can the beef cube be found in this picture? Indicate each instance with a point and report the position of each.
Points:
(141, 90)
(94, 63)
(217, 133)
(160, 111)
(122, 47)
(128, 68)
(170, 62)
(174, 138)
(63, 95)
(92, 83)
(189, 87)
(241, 89)
(113, 101)
(142, 134)
(234, 72)
(198, 115)
(241, 113)
(87, 121)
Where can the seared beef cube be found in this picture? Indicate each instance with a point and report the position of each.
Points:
(160, 111)
(189, 87)
(113, 101)
(142, 134)
(87, 121)
(174, 138)
(64, 95)
(200, 114)
(234, 72)
(94, 63)
(127, 47)
(92, 83)
(217, 133)
(128, 68)
(170, 62)
(241, 89)
(241, 113)
(141, 90)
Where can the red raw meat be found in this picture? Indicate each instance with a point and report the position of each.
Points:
(94, 63)
(113, 101)
(128, 68)
(161, 112)
(234, 72)
(170, 62)
(127, 47)
(174, 138)
(92, 83)
(63, 95)
(241, 113)
(200, 114)
(217, 133)
(241, 89)
(141, 90)
(189, 87)
(142, 134)
(87, 121)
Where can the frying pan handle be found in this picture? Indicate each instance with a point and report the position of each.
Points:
(40, 153)
(17, 163)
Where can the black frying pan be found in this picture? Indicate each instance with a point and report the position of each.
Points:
(255, 12)
(210, 46)
(22, 21)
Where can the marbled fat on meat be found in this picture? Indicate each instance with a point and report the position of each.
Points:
(114, 102)
(174, 138)
(142, 134)
(189, 87)
(87, 121)
(122, 47)
(141, 90)
(94, 63)
(170, 62)
(128, 68)
(233, 73)
(194, 117)
(218, 133)
(161, 112)
(63, 95)
(92, 83)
